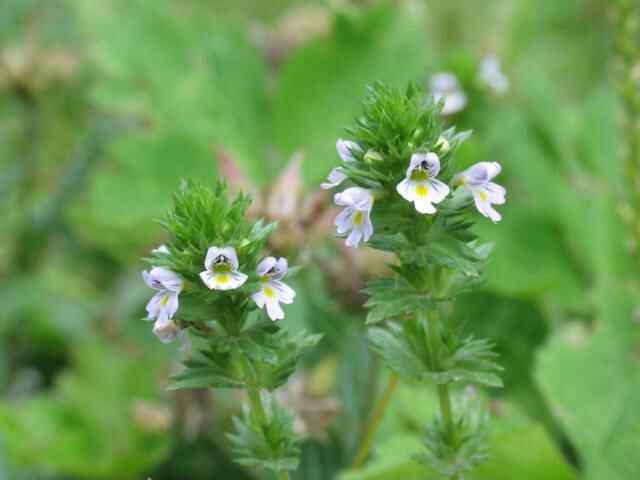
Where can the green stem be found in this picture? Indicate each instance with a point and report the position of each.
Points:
(256, 405)
(374, 421)
(432, 326)
(283, 475)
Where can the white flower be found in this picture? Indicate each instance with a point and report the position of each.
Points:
(166, 331)
(477, 180)
(221, 269)
(164, 304)
(491, 74)
(421, 186)
(356, 216)
(272, 290)
(335, 178)
(445, 85)
(345, 149)
(162, 249)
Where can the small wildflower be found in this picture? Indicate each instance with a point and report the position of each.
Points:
(335, 178)
(166, 331)
(164, 304)
(477, 180)
(221, 269)
(445, 85)
(356, 216)
(272, 290)
(421, 186)
(492, 75)
(345, 149)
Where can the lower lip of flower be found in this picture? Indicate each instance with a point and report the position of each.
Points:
(268, 291)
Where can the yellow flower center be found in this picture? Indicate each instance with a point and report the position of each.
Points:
(268, 292)
(265, 278)
(165, 299)
(484, 196)
(358, 218)
(223, 278)
(422, 190)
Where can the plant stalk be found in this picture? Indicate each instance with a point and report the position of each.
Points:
(444, 395)
(374, 421)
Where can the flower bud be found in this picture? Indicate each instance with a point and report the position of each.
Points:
(372, 156)
(442, 145)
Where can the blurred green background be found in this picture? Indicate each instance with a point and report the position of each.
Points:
(106, 105)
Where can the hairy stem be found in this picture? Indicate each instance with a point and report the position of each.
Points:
(444, 396)
(256, 405)
(374, 421)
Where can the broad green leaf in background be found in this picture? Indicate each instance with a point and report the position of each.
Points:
(193, 84)
(321, 84)
(87, 425)
(520, 448)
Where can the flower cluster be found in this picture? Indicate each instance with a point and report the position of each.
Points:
(221, 272)
(419, 186)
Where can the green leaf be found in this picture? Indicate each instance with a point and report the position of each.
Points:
(322, 82)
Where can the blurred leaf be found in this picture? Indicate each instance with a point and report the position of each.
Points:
(85, 427)
(518, 448)
(322, 82)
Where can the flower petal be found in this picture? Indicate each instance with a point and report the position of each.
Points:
(284, 292)
(406, 189)
(430, 160)
(354, 238)
(212, 253)
(335, 178)
(265, 265)
(346, 148)
(344, 220)
(230, 253)
(274, 310)
(438, 190)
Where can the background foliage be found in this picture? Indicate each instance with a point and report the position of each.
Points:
(105, 106)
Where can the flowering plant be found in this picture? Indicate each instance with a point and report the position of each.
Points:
(406, 198)
(222, 309)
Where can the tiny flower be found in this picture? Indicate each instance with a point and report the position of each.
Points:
(443, 145)
(164, 304)
(477, 180)
(491, 74)
(272, 290)
(166, 330)
(445, 85)
(335, 178)
(163, 249)
(421, 186)
(356, 216)
(345, 149)
(221, 269)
